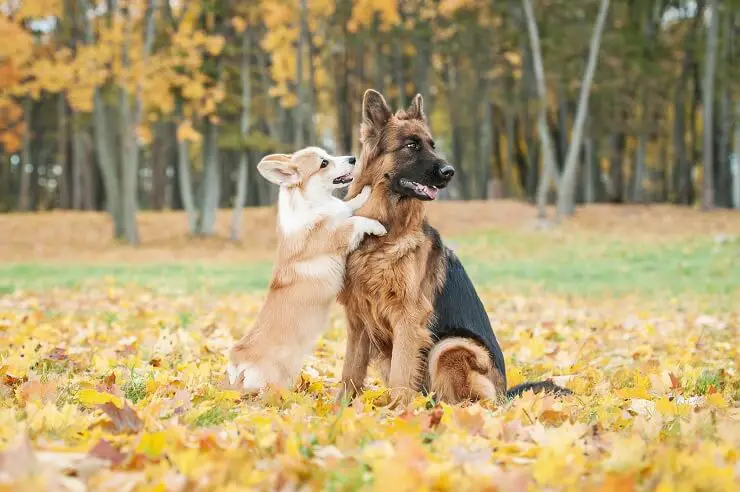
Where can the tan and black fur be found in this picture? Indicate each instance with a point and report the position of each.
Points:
(410, 305)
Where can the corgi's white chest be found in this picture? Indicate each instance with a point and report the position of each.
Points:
(297, 214)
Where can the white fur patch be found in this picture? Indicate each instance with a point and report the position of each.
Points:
(298, 213)
(253, 377)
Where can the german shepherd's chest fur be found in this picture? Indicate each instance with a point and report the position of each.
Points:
(395, 278)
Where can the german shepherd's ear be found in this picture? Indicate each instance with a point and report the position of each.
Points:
(416, 110)
(278, 169)
(375, 111)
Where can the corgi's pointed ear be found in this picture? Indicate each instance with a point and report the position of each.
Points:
(278, 169)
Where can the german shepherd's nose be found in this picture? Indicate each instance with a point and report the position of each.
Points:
(446, 172)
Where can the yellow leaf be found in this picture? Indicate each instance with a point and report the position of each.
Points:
(227, 395)
(90, 397)
(239, 24)
(152, 444)
(715, 400)
(214, 45)
(186, 133)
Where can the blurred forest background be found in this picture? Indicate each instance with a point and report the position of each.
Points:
(126, 105)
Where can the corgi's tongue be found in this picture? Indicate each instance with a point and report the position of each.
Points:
(344, 179)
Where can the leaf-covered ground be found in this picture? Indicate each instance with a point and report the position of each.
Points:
(115, 384)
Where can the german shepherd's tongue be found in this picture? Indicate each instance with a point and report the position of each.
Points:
(431, 192)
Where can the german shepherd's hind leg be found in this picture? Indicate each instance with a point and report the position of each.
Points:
(356, 360)
(461, 370)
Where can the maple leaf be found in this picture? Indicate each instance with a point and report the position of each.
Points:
(122, 419)
(106, 451)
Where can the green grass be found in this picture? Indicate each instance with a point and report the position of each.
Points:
(213, 416)
(573, 264)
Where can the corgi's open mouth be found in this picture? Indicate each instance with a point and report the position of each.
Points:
(422, 191)
(344, 179)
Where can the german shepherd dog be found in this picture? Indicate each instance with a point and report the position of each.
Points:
(410, 305)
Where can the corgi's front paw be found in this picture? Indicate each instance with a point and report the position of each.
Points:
(361, 198)
(364, 195)
(375, 228)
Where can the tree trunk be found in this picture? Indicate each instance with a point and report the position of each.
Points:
(104, 143)
(158, 165)
(130, 121)
(211, 180)
(26, 167)
(486, 147)
(707, 198)
(561, 145)
(725, 117)
(309, 88)
(341, 83)
(78, 173)
(549, 170)
(398, 72)
(65, 194)
(616, 167)
(242, 175)
(566, 196)
(455, 140)
(736, 160)
(590, 171)
(301, 117)
(511, 151)
(682, 172)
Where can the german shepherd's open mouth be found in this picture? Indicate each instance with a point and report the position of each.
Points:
(423, 192)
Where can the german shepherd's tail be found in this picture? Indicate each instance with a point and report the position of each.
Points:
(538, 386)
(460, 369)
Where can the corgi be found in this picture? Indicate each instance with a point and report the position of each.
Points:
(316, 232)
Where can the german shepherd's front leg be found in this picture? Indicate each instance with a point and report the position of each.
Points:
(409, 341)
(356, 359)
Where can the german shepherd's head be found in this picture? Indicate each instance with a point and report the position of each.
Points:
(398, 151)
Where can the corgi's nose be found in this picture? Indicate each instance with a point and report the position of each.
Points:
(352, 160)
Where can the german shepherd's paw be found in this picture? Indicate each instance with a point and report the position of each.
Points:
(401, 397)
(347, 393)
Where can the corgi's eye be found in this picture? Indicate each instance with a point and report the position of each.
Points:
(413, 146)
(324, 163)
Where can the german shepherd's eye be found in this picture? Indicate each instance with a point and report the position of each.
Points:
(413, 146)
(324, 163)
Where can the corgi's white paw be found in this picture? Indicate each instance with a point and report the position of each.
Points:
(375, 228)
(251, 377)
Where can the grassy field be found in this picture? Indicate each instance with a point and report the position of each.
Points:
(112, 357)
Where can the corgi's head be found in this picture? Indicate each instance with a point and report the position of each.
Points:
(311, 169)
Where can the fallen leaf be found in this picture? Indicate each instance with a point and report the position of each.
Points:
(122, 420)
(104, 450)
